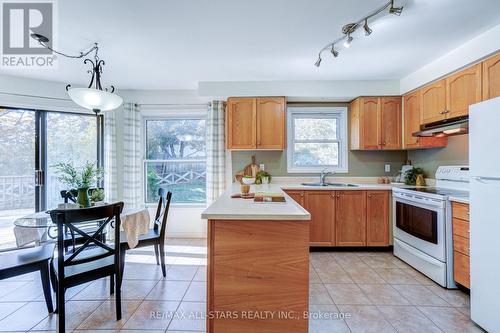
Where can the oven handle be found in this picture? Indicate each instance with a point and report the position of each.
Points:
(409, 199)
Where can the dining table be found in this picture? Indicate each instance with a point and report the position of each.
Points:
(39, 228)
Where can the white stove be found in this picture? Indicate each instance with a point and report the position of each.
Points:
(422, 223)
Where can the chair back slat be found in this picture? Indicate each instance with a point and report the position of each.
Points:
(160, 222)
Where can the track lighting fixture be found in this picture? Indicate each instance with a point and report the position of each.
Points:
(318, 62)
(350, 28)
(347, 42)
(368, 31)
(334, 52)
(395, 10)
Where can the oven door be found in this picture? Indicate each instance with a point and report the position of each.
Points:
(420, 222)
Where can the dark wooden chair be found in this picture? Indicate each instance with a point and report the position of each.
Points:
(23, 261)
(72, 239)
(156, 236)
(92, 260)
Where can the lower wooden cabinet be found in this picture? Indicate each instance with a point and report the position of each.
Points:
(350, 218)
(346, 218)
(461, 236)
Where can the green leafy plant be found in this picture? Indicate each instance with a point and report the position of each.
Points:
(260, 175)
(97, 195)
(84, 177)
(411, 175)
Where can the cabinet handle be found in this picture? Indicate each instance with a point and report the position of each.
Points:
(338, 195)
(369, 195)
(384, 143)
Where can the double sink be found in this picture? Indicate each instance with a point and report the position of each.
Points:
(330, 184)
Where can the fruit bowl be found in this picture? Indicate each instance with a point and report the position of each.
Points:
(248, 181)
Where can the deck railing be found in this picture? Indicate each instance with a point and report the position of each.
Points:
(17, 192)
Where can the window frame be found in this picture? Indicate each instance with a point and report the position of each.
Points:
(195, 115)
(339, 113)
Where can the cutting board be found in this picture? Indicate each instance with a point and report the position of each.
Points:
(251, 169)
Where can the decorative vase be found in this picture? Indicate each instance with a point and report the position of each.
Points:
(83, 198)
(420, 181)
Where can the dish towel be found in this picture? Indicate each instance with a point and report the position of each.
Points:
(25, 236)
(135, 224)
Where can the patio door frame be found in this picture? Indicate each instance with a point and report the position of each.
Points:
(41, 166)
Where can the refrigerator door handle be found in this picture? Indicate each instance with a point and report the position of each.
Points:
(485, 180)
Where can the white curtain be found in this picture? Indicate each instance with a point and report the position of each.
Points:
(216, 154)
(110, 183)
(132, 164)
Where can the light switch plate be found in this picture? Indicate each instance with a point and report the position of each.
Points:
(262, 167)
(387, 168)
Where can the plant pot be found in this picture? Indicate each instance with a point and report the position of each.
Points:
(83, 198)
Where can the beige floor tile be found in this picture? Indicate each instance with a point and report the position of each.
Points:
(8, 287)
(25, 317)
(465, 311)
(313, 276)
(365, 319)
(454, 297)
(201, 274)
(395, 276)
(104, 317)
(97, 290)
(333, 274)
(419, 277)
(345, 293)
(450, 320)
(181, 272)
(197, 292)
(326, 319)
(319, 295)
(30, 291)
(140, 271)
(136, 289)
(383, 294)
(191, 317)
(8, 308)
(152, 315)
(76, 313)
(420, 295)
(408, 319)
(168, 291)
(383, 262)
(364, 275)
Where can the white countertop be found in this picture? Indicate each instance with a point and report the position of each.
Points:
(227, 208)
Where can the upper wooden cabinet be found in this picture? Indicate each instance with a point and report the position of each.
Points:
(412, 109)
(375, 123)
(256, 123)
(491, 77)
(462, 90)
(433, 102)
(321, 206)
(350, 218)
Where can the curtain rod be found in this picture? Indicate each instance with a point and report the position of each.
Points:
(35, 96)
(173, 104)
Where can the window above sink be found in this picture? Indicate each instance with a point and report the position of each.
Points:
(317, 139)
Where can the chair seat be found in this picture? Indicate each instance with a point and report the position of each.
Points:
(150, 235)
(26, 257)
(96, 265)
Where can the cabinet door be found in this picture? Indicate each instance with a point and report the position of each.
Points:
(461, 269)
(350, 221)
(370, 123)
(321, 206)
(298, 196)
(271, 123)
(377, 218)
(491, 77)
(462, 90)
(433, 102)
(390, 122)
(412, 119)
(241, 123)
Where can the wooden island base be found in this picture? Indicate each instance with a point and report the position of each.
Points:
(258, 276)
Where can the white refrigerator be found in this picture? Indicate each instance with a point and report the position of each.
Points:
(484, 161)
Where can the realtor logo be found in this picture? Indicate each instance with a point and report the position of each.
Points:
(19, 21)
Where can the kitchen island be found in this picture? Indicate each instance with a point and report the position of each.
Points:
(258, 264)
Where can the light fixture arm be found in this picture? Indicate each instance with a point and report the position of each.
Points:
(349, 28)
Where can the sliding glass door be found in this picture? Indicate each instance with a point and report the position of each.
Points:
(31, 143)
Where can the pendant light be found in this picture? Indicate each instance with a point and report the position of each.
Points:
(94, 97)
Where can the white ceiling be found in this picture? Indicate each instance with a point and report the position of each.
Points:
(174, 44)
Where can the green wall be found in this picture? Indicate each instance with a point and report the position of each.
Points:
(361, 163)
(456, 153)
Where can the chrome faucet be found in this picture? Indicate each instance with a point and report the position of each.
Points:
(323, 175)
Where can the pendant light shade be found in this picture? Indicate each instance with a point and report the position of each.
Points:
(95, 99)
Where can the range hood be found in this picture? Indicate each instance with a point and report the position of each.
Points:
(447, 127)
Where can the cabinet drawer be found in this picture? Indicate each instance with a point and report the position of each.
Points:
(461, 269)
(460, 228)
(460, 210)
(461, 244)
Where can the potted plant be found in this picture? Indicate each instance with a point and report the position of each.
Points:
(412, 175)
(97, 197)
(80, 179)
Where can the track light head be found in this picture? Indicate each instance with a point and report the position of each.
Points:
(368, 31)
(395, 10)
(348, 41)
(318, 62)
(334, 52)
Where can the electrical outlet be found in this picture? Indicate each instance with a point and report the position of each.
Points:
(387, 168)
(262, 167)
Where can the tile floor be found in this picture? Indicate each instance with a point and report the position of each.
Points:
(360, 291)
